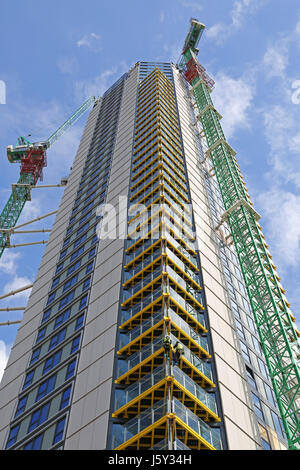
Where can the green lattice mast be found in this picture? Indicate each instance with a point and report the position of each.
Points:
(32, 157)
(275, 322)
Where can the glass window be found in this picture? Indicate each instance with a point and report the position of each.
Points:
(231, 290)
(240, 329)
(65, 397)
(35, 355)
(278, 424)
(89, 267)
(59, 431)
(81, 229)
(39, 416)
(71, 369)
(262, 368)
(55, 282)
(63, 254)
(51, 298)
(46, 315)
(80, 240)
(94, 239)
(251, 377)
(270, 394)
(41, 334)
(242, 288)
(59, 268)
(56, 339)
(235, 309)
(75, 344)
(245, 351)
(34, 444)
(28, 379)
(86, 284)
(74, 267)
(46, 387)
(251, 324)
(83, 302)
(79, 322)
(246, 305)
(62, 318)
(67, 299)
(77, 253)
(52, 361)
(67, 241)
(21, 405)
(70, 282)
(256, 344)
(12, 436)
(257, 406)
(266, 445)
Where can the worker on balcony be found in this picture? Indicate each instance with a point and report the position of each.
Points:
(167, 345)
(179, 351)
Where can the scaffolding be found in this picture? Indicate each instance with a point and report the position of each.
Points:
(275, 322)
(162, 401)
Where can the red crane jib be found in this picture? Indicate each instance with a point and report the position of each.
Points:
(194, 69)
(34, 162)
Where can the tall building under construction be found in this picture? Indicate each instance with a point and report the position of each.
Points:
(157, 319)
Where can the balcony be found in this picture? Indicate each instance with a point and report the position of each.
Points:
(145, 392)
(151, 427)
(152, 355)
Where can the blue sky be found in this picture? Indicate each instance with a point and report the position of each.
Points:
(56, 54)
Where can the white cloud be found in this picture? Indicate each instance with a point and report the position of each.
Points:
(92, 41)
(280, 201)
(277, 121)
(294, 143)
(215, 32)
(67, 65)
(233, 99)
(8, 261)
(95, 86)
(281, 209)
(44, 121)
(282, 135)
(240, 9)
(162, 17)
(173, 51)
(98, 85)
(239, 13)
(31, 210)
(4, 353)
(17, 283)
(276, 60)
(191, 5)
(61, 155)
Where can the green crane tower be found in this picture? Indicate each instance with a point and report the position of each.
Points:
(275, 322)
(32, 157)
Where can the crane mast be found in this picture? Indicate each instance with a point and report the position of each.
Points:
(274, 320)
(32, 157)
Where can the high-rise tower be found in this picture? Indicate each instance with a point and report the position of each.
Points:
(91, 367)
